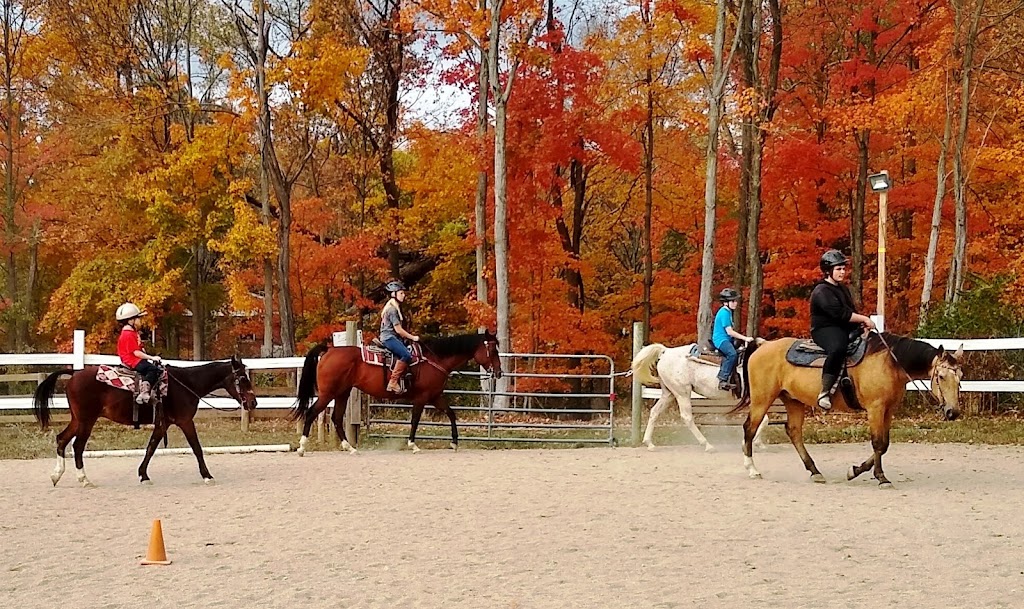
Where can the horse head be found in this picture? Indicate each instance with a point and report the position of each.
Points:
(486, 354)
(945, 374)
(239, 386)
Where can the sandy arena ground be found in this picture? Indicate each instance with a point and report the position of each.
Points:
(521, 529)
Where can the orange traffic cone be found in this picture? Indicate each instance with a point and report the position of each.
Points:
(156, 555)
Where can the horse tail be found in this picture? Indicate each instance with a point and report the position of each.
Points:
(745, 377)
(307, 384)
(645, 364)
(43, 395)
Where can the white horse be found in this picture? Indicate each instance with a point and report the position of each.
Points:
(679, 374)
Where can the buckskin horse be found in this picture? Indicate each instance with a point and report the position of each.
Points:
(90, 399)
(679, 373)
(879, 384)
(331, 373)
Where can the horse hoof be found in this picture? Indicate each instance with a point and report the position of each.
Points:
(649, 445)
(818, 478)
(55, 479)
(146, 482)
(87, 484)
(300, 452)
(755, 476)
(885, 485)
(209, 481)
(708, 448)
(454, 446)
(412, 446)
(851, 473)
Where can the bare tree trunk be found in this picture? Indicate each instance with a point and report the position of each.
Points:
(11, 124)
(716, 94)
(481, 176)
(933, 238)
(648, 172)
(391, 51)
(863, 138)
(268, 271)
(957, 267)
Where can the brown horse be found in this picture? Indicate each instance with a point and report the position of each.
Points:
(90, 399)
(880, 381)
(333, 376)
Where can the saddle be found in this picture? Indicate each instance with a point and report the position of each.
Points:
(807, 354)
(376, 354)
(706, 355)
(126, 379)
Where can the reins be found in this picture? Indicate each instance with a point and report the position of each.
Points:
(234, 377)
(934, 400)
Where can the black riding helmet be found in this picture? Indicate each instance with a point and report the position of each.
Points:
(728, 295)
(394, 286)
(832, 259)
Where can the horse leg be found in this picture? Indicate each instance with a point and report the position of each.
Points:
(340, 405)
(441, 403)
(663, 403)
(758, 442)
(795, 430)
(880, 444)
(686, 412)
(314, 411)
(856, 470)
(188, 427)
(81, 437)
(159, 432)
(417, 411)
(751, 427)
(63, 438)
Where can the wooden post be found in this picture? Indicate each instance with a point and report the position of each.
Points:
(245, 421)
(638, 400)
(354, 411)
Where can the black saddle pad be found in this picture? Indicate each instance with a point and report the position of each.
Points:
(807, 354)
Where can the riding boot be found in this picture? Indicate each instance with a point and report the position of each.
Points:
(825, 397)
(143, 397)
(396, 375)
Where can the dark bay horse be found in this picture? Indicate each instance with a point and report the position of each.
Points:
(880, 381)
(90, 399)
(331, 373)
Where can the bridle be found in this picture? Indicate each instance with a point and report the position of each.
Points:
(935, 395)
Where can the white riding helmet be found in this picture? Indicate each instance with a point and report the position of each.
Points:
(128, 311)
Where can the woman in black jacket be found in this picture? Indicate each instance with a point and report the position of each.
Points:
(833, 320)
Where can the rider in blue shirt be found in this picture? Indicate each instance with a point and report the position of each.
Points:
(722, 336)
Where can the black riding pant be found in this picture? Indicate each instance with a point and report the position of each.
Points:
(834, 341)
(149, 371)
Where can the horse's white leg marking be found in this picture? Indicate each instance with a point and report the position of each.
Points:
(302, 445)
(748, 462)
(346, 446)
(80, 474)
(58, 471)
(413, 446)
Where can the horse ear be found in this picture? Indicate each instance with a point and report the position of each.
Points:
(959, 352)
(942, 350)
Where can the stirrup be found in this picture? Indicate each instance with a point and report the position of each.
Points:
(824, 401)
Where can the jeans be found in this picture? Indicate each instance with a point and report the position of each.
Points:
(150, 372)
(835, 342)
(398, 348)
(729, 363)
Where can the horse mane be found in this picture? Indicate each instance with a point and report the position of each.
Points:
(913, 355)
(460, 344)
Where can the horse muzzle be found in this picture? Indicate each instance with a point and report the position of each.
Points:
(951, 414)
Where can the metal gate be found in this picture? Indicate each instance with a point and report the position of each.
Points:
(541, 398)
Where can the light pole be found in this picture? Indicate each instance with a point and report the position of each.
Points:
(879, 183)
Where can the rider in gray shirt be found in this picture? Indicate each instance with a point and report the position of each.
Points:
(391, 332)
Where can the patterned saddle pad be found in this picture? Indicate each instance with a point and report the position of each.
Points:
(376, 355)
(807, 354)
(706, 356)
(126, 379)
